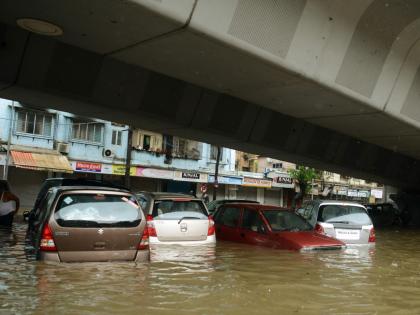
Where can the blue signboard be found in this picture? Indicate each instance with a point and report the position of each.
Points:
(230, 180)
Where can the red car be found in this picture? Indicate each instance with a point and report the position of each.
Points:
(269, 226)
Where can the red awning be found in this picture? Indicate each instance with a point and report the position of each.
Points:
(41, 161)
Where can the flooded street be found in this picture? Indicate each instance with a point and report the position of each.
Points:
(232, 279)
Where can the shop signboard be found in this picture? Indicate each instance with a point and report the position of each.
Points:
(284, 181)
(339, 190)
(88, 167)
(190, 177)
(256, 182)
(227, 180)
(377, 193)
(119, 169)
(352, 193)
(154, 173)
(363, 193)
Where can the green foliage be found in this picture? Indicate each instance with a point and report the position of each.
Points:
(304, 176)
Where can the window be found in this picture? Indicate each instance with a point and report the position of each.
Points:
(87, 131)
(179, 147)
(35, 123)
(146, 142)
(277, 165)
(283, 220)
(229, 217)
(343, 214)
(97, 210)
(213, 152)
(251, 220)
(116, 137)
(178, 209)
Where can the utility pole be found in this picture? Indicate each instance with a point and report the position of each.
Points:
(216, 173)
(127, 180)
(9, 140)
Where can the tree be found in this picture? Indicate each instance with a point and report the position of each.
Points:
(303, 176)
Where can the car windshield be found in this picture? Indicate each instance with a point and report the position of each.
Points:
(283, 220)
(93, 210)
(345, 214)
(213, 205)
(178, 209)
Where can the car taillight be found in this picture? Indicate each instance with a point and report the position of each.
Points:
(372, 236)
(151, 231)
(211, 229)
(47, 240)
(319, 229)
(144, 242)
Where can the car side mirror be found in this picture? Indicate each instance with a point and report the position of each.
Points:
(26, 215)
(261, 229)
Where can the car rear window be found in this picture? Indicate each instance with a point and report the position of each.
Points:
(346, 214)
(97, 210)
(282, 220)
(177, 209)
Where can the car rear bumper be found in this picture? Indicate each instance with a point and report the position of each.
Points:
(317, 248)
(141, 256)
(49, 256)
(208, 241)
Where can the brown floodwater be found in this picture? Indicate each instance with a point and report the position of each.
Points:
(230, 279)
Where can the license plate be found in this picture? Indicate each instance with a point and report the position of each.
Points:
(344, 234)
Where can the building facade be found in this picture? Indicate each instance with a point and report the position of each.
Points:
(37, 144)
(46, 143)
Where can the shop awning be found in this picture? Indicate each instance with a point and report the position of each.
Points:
(41, 161)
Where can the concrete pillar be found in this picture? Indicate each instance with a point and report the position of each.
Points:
(281, 197)
(260, 195)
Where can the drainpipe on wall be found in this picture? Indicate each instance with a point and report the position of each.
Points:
(216, 174)
(9, 140)
(127, 181)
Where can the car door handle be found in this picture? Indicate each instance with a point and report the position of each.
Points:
(242, 235)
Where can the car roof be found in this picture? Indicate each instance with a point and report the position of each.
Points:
(257, 206)
(165, 195)
(338, 202)
(62, 181)
(100, 188)
(236, 201)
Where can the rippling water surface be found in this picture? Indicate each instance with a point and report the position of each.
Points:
(230, 279)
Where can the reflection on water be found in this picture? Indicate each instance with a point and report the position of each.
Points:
(226, 279)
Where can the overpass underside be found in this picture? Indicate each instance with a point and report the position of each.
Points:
(316, 82)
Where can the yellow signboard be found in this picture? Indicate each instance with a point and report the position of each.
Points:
(120, 170)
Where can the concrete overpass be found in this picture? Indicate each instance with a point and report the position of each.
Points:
(328, 83)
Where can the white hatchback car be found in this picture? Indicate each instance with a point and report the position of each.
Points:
(176, 219)
(346, 221)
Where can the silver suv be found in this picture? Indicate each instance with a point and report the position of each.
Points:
(346, 221)
(176, 219)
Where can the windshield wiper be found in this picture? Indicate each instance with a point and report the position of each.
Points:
(180, 220)
(344, 222)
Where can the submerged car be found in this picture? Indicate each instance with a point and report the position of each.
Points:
(176, 219)
(58, 182)
(215, 204)
(78, 224)
(269, 226)
(346, 221)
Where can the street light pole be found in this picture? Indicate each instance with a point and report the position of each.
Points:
(216, 173)
(9, 140)
(127, 180)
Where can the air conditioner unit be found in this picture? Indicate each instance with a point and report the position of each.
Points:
(108, 153)
(62, 147)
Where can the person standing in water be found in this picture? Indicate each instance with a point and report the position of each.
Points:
(9, 204)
